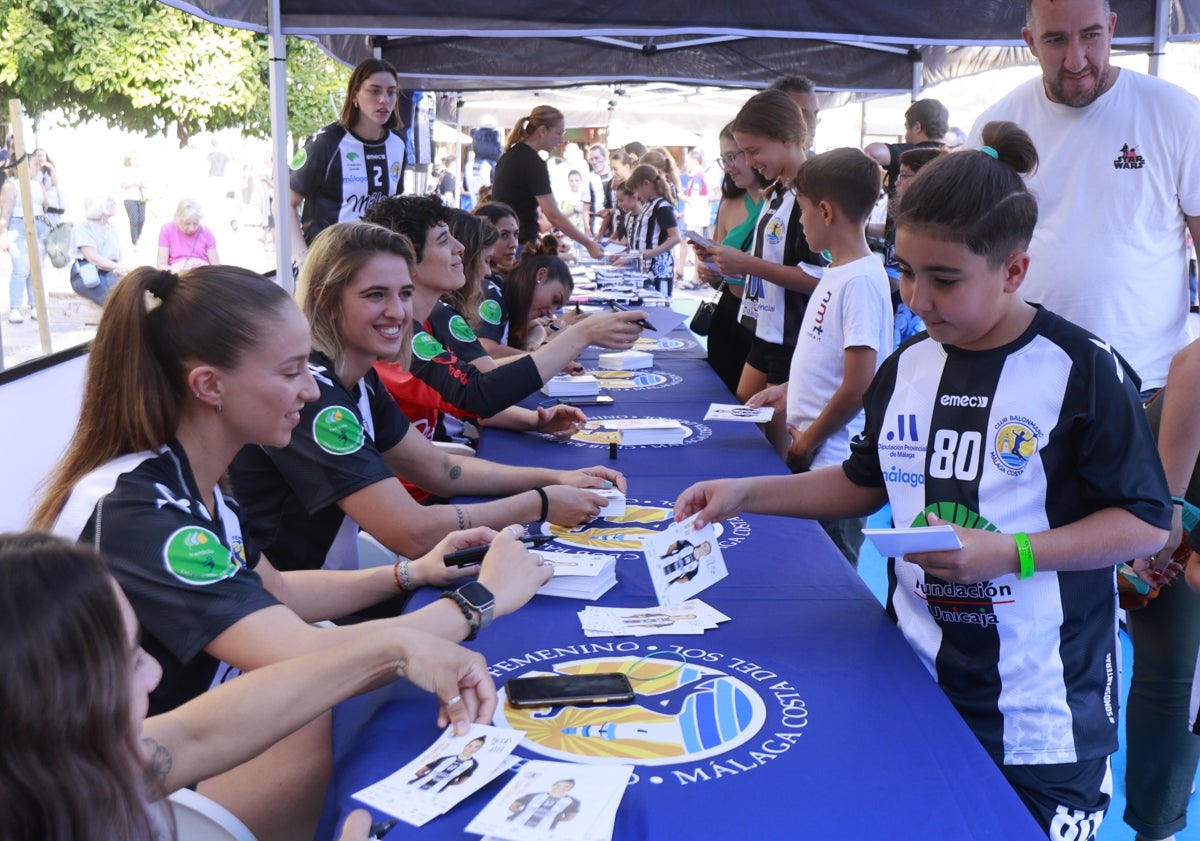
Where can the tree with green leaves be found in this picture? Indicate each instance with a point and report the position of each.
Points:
(149, 68)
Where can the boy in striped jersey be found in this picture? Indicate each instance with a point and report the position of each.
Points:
(1025, 433)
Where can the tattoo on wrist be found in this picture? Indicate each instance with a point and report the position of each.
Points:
(462, 519)
(455, 472)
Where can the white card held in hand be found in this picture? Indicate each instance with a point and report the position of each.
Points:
(892, 543)
(683, 560)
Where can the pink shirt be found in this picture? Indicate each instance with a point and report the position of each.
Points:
(179, 245)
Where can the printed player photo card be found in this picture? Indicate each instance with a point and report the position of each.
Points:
(683, 561)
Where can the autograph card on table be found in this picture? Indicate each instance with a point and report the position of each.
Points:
(556, 800)
(892, 543)
(736, 412)
(683, 560)
(665, 319)
(450, 770)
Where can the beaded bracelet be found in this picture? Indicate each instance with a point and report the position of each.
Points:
(400, 575)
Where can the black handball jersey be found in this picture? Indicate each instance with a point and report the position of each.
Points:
(188, 577)
(292, 492)
(342, 176)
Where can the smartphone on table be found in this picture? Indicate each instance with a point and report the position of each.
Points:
(559, 690)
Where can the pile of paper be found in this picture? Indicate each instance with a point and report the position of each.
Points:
(690, 617)
(571, 385)
(579, 576)
(558, 800)
(626, 360)
(614, 508)
(643, 432)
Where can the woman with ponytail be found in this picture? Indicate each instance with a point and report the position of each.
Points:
(522, 179)
(654, 231)
(185, 371)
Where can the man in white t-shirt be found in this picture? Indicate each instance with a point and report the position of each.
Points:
(1118, 189)
(1118, 186)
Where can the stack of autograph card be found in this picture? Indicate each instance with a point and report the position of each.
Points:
(579, 576)
(683, 560)
(450, 770)
(690, 617)
(556, 800)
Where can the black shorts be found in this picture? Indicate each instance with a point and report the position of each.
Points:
(1068, 801)
(775, 360)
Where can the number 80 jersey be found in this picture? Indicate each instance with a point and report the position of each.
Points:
(1026, 437)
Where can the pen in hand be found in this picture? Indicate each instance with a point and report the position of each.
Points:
(641, 322)
(474, 555)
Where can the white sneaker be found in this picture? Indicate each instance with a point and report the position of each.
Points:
(15, 317)
(33, 313)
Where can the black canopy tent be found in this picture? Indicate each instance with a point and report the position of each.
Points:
(864, 46)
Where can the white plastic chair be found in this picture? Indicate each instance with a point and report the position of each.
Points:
(199, 819)
(372, 553)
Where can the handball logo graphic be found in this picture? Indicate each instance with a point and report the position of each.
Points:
(775, 231)
(683, 712)
(490, 312)
(426, 347)
(195, 555)
(338, 431)
(1014, 444)
(461, 330)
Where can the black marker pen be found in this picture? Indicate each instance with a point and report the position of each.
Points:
(641, 322)
(474, 555)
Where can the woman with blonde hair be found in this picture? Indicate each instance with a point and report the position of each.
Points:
(184, 243)
(522, 179)
(185, 371)
(95, 250)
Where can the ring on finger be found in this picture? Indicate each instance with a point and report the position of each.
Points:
(456, 699)
(516, 530)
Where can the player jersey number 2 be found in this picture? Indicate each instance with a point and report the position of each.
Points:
(375, 176)
(955, 455)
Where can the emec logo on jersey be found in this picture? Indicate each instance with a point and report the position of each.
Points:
(338, 431)
(195, 555)
(461, 330)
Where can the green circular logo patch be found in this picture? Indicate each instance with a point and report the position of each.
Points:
(299, 159)
(337, 430)
(461, 330)
(195, 556)
(426, 346)
(491, 312)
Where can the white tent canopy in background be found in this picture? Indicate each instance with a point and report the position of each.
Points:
(858, 45)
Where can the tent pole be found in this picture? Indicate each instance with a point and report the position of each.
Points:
(1162, 17)
(460, 177)
(918, 75)
(277, 67)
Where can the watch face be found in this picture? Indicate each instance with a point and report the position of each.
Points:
(476, 594)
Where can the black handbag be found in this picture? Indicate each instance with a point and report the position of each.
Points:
(702, 321)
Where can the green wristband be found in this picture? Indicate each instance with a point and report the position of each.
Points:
(1025, 554)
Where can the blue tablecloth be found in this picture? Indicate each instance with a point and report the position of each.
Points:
(806, 716)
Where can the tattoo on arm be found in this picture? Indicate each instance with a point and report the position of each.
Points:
(161, 762)
(455, 472)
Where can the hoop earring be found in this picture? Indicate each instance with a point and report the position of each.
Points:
(218, 408)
